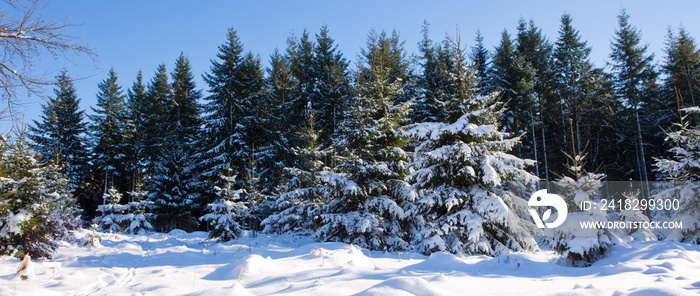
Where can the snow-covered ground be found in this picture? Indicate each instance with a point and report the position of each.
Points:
(187, 264)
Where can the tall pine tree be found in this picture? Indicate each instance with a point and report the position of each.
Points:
(110, 132)
(174, 185)
(632, 71)
(367, 207)
(461, 164)
(60, 136)
(136, 99)
(331, 86)
(221, 109)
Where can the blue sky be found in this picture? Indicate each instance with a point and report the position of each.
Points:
(132, 35)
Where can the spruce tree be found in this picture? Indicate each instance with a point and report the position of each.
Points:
(515, 79)
(236, 120)
(461, 163)
(281, 88)
(38, 207)
(60, 136)
(480, 61)
(221, 109)
(224, 213)
(297, 208)
(331, 86)
(300, 53)
(579, 246)
(575, 87)
(535, 53)
(136, 99)
(256, 140)
(682, 69)
(153, 115)
(174, 185)
(432, 83)
(632, 70)
(366, 208)
(681, 170)
(680, 88)
(109, 128)
(388, 50)
(237, 124)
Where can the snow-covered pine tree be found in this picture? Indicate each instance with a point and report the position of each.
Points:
(578, 246)
(431, 83)
(136, 95)
(680, 88)
(174, 185)
(110, 211)
(682, 169)
(634, 215)
(460, 169)
(281, 87)
(480, 62)
(331, 86)
(300, 52)
(514, 77)
(224, 214)
(366, 208)
(234, 121)
(258, 139)
(633, 76)
(153, 115)
(37, 207)
(136, 215)
(296, 209)
(59, 135)
(109, 128)
(129, 218)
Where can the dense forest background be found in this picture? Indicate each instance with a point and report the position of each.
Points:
(349, 152)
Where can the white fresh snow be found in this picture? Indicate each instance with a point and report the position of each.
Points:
(187, 264)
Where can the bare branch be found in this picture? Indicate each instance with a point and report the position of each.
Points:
(25, 33)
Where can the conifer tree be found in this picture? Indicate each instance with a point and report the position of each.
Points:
(331, 87)
(432, 84)
(136, 99)
(109, 128)
(535, 54)
(680, 89)
(60, 136)
(632, 70)
(153, 115)
(480, 61)
(38, 208)
(281, 86)
(388, 50)
(579, 246)
(682, 168)
(221, 109)
(235, 121)
(460, 165)
(174, 185)
(256, 140)
(300, 53)
(224, 213)
(577, 86)
(366, 209)
(682, 68)
(515, 79)
(297, 208)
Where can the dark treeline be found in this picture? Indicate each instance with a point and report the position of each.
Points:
(308, 120)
